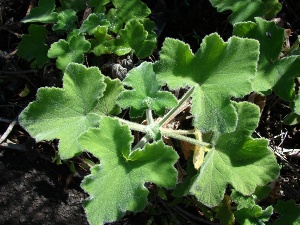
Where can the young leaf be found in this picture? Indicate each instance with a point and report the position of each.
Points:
(92, 22)
(117, 184)
(254, 215)
(219, 70)
(103, 44)
(68, 51)
(272, 73)
(65, 113)
(247, 10)
(43, 13)
(125, 11)
(134, 37)
(236, 159)
(66, 20)
(146, 92)
(33, 47)
(289, 211)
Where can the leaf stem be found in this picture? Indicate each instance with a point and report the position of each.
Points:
(175, 111)
(149, 116)
(133, 125)
(184, 138)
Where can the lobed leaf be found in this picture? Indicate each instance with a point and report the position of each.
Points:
(247, 10)
(66, 20)
(92, 22)
(236, 159)
(254, 215)
(146, 92)
(68, 51)
(273, 73)
(134, 37)
(116, 185)
(219, 70)
(65, 113)
(33, 47)
(125, 11)
(44, 13)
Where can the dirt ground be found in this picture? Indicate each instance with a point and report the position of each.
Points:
(34, 190)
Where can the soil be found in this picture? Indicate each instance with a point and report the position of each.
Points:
(36, 190)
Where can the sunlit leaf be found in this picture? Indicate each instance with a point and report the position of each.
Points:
(117, 184)
(236, 159)
(273, 73)
(146, 92)
(247, 10)
(218, 70)
(65, 113)
(68, 51)
(44, 13)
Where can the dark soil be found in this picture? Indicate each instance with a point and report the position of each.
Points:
(35, 190)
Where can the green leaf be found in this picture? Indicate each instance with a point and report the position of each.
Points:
(289, 211)
(68, 51)
(103, 43)
(66, 20)
(236, 159)
(65, 113)
(125, 11)
(134, 37)
(117, 184)
(43, 13)
(247, 10)
(272, 73)
(107, 104)
(254, 215)
(33, 47)
(99, 5)
(219, 70)
(146, 92)
(92, 22)
(76, 5)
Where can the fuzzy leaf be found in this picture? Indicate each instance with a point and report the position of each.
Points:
(234, 158)
(33, 47)
(92, 22)
(65, 113)
(272, 73)
(68, 51)
(146, 92)
(43, 13)
(125, 11)
(254, 215)
(134, 37)
(103, 43)
(66, 20)
(219, 70)
(107, 104)
(247, 10)
(289, 211)
(117, 184)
